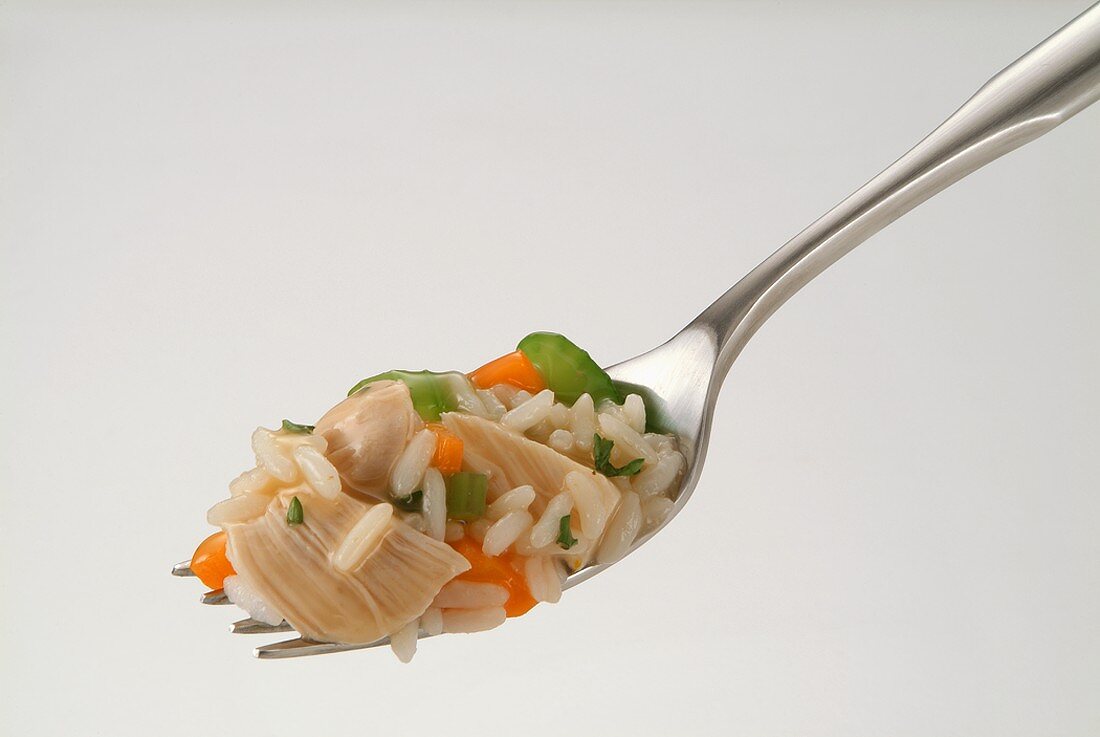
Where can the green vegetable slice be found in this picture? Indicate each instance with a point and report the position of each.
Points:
(294, 427)
(412, 503)
(601, 454)
(295, 515)
(565, 534)
(466, 495)
(568, 369)
(432, 393)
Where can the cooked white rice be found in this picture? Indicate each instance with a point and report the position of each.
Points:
(470, 595)
(546, 529)
(455, 531)
(403, 642)
(519, 521)
(518, 499)
(431, 621)
(240, 594)
(531, 412)
(318, 471)
(238, 509)
(410, 467)
(473, 620)
(621, 530)
(254, 481)
(434, 505)
(505, 531)
(272, 457)
(363, 537)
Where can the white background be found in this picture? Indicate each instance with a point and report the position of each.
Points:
(216, 215)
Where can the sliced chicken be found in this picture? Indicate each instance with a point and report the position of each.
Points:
(290, 568)
(367, 432)
(512, 460)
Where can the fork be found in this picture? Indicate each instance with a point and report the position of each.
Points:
(680, 379)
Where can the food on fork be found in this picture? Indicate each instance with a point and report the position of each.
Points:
(440, 502)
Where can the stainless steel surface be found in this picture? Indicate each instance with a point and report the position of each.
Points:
(216, 597)
(252, 627)
(680, 380)
(183, 569)
(298, 647)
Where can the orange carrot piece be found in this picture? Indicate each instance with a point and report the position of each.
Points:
(209, 562)
(448, 450)
(515, 369)
(502, 571)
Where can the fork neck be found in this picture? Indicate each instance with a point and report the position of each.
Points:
(1042, 89)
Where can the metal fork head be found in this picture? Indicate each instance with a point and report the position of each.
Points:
(679, 383)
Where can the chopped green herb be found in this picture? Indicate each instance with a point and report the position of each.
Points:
(295, 515)
(601, 454)
(411, 503)
(466, 495)
(294, 427)
(565, 534)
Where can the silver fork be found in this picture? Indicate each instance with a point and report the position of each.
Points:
(680, 380)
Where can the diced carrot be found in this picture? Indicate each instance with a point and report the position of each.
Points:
(515, 369)
(502, 571)
(209, 562)
(448, 450)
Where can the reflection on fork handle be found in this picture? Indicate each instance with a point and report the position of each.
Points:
(1042, 89)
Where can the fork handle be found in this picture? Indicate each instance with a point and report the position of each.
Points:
(1045, 87)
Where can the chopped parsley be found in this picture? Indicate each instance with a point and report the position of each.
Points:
(294, 427)
(295, 515)
(565, 535)
(601, 454)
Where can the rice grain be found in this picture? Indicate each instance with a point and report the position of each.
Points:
(517, 499)
(318, 472)
(477, 529)
(473, 620)
(455, 531)
(494, 408)
(621, 530)
(586, 500)
(238, 509)
(561, 440)
(660, 477)
(243, 596)
(470, 595)
(434, 504)
(431, 621)
(250, 482)
(531, 412)
(628, 444)
(270, 456)
(363, 537)
(506, 531)
(411, 464)
(545, 531)
(655, 510)
(403, 642)
(634, 413)
(583, 423)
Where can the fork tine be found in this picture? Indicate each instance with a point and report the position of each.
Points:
(252, 627)
(182, 569)
(299, 647)
(216, 597)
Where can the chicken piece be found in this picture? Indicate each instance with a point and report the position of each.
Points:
(366, 434)
(500, 452)
(290, 568)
